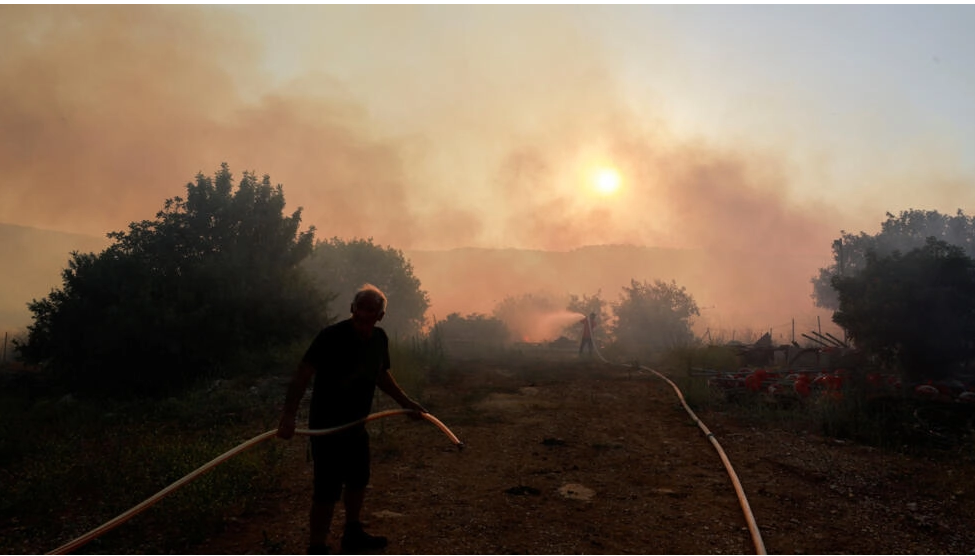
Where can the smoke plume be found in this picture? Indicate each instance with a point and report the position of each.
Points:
(426, 129)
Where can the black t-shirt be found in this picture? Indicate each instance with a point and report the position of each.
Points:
(346, 369)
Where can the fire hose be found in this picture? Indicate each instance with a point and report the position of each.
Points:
(739, 491)
(122, 518)
(152, 500)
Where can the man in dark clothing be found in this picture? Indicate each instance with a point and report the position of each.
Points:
(348, 360)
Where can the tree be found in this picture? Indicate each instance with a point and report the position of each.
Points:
(916, 311)
(653, 317)
(585, 305)
(342, 267)
(211, 279)
(907, 231)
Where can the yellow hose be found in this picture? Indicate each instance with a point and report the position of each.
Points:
(108, 526)
(742, 500)
(136, 510)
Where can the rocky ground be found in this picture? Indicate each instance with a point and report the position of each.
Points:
(569, 457)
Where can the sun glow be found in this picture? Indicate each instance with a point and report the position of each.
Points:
(607, 181)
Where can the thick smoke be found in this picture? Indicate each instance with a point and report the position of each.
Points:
(423, 128)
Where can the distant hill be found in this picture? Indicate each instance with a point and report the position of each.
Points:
(31, 260)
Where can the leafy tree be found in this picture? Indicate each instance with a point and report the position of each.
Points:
(653, 317)
(907, 231)
(342, 267)
(915, 311)
(585, 305)
(213, 278)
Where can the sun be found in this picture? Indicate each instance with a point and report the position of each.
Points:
(606, 181)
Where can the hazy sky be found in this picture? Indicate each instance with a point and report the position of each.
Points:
(763, 128)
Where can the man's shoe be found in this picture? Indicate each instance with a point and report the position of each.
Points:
(319, 549)
(357, 540)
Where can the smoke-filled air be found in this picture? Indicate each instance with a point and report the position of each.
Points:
(505, 150)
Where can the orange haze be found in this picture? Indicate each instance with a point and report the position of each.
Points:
(421, 134)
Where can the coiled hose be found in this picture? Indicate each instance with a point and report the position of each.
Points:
(152, 500)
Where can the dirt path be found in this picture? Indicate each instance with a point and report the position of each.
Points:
(574, 458)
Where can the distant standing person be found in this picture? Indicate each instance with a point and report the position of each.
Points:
(348, 359)
(587, 325)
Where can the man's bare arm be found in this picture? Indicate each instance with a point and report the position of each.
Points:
(296, 391)
(388, 384)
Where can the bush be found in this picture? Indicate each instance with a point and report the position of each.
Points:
(652, 318)
(473, 335)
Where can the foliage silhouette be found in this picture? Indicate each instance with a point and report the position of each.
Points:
(587, 304)
(907, 231)
(211, 281)
(914, 311)
(651, 317)
(342, 267)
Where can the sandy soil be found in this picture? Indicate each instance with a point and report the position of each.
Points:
(569, 457)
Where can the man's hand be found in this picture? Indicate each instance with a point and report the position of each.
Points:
(410, 404)
(286, 428)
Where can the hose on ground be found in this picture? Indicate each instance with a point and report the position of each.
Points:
(739, 491)
(742, 499)
(152, 500)
(122, 518)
